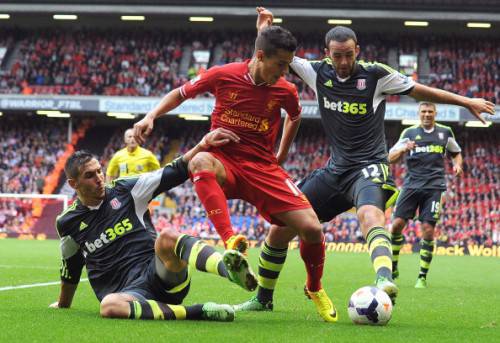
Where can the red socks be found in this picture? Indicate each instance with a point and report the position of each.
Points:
(214, 200)
(314, 259)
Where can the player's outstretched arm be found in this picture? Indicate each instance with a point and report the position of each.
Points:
(144, 127)
(475, 105)
(215, 138)
(66, 295)
(264, 18)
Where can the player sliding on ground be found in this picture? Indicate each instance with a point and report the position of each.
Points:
(351, 99)
(133, 273)
(249, 97)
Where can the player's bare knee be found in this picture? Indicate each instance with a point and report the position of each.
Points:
(370, 216)
(312, 231)
(428, 231)
(398, 225)
(279, 236)
(202, 161)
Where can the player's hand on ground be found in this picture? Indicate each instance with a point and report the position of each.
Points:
(264, 18)
(142, 129)
(458, 170)
(219, 137)
(477, 106)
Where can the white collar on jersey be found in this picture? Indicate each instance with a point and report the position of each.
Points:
(250, 78)
(429, 131)
(343, 79)
(96, 207)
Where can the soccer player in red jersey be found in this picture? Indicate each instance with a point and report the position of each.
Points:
(249, 98)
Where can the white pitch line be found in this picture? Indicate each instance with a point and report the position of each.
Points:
(8, 288)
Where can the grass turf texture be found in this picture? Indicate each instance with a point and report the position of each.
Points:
(461, 304)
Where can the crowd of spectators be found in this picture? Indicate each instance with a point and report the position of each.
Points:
(15, 215)
(467, 66)
(146, 63)
(90, 62)
(29, 150)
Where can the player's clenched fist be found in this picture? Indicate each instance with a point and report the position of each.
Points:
(264, 18)
(143, 128)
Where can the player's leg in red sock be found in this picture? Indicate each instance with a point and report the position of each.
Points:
(207, 172)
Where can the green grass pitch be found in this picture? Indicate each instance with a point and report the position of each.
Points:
(462, 304)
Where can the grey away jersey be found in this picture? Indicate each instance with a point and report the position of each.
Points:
(425, 163)
(353, 110)
(116, 239)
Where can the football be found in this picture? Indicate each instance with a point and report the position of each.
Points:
(370, 305)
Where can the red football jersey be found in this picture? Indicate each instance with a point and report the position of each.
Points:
(252, 111)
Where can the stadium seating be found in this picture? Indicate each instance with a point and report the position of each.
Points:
(466, 66)
(147, 63)
(29, 151)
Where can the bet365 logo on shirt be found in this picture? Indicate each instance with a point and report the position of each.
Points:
(345, 107)
(109, 235)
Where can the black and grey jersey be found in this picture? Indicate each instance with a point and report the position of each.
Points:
(425, 163)
(114, 240)
(353, 109)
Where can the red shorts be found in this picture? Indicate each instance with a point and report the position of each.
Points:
(265, 185)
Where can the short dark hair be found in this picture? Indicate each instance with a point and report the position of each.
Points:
(340, 34)
(273, 38)
(75, 162)
(427, 103)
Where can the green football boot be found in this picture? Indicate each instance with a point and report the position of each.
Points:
(387, 286)
(421, 282)
(253, 305)
(217, 312)
(239, 271)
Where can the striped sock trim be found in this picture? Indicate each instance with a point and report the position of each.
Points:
(380, 249)
(397, 243)
(200, 255)
(426, 254)
(155, 310)
(271, 263)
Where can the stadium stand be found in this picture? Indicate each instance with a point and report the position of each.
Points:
(29, 151)
(147, 63)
